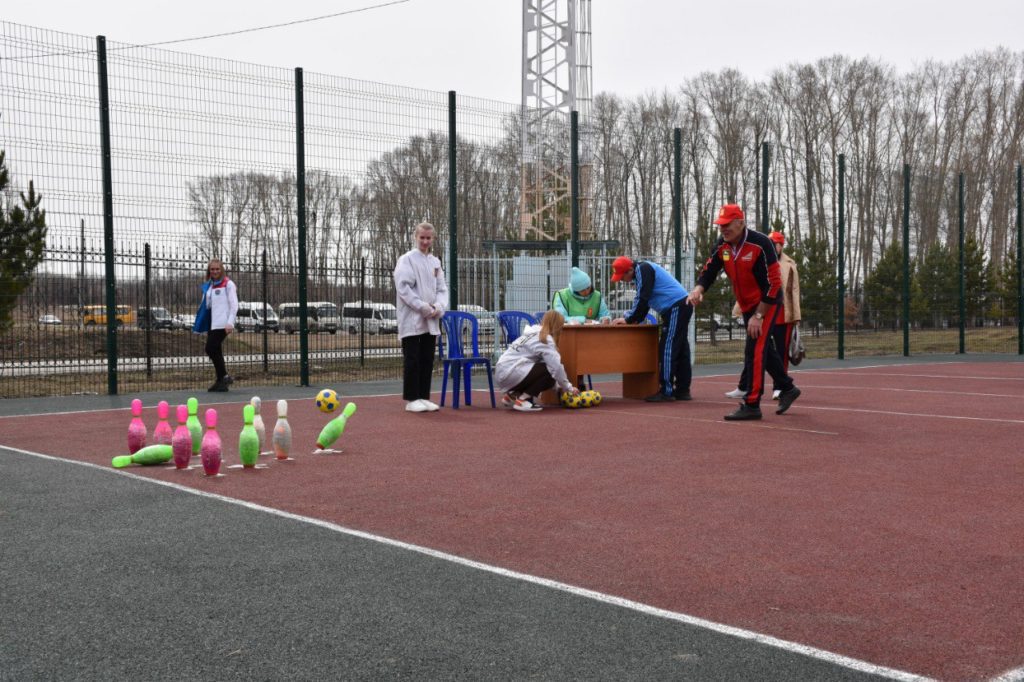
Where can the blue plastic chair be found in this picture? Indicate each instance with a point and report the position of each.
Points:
(457, 363)
(512, 323)
(651, 319)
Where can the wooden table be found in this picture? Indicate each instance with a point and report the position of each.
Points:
(629, 349)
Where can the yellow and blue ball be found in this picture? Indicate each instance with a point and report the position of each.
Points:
(590, 398)
(571, 401)
(327, 400)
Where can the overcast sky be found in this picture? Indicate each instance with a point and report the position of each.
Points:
(474, 46)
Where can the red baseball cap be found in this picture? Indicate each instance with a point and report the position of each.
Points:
(620, 266)
(777, 237)
(729, 213)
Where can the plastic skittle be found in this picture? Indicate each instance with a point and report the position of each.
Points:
(181, 441)
(210, 450)
(136, 429)
(248, 440)
(163, 433)
(152, 454)
(333, 429)
(257, 422)
(282, 431)
(194, 427)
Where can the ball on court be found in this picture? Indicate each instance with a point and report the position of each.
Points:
(597, 398)
(327, 400)
(571, 401)
(590, 398)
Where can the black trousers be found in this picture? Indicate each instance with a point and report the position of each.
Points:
(214, 340)
(418, 355)
(674, 371)
(537, 381)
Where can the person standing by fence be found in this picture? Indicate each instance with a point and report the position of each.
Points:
(216, 317)
(422, 300)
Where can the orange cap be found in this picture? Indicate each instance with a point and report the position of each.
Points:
(620, 266)
(729, 213)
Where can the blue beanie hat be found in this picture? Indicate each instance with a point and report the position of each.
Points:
(579, 280)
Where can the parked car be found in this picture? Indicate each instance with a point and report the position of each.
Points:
(49, 320)
(375, 318)
(321, 316)
(183, 321)
(154, 318)
(250, 317)
(485, 318)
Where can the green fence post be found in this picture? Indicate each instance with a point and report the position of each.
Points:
(841, 253)
(963, 305)
(906, 259)
(574, 187)
(677, 213)
(147, 275)
(453, 207)
(108, 216)
(266, 297)
(765, 160)
(300, 190)
(1020, 263)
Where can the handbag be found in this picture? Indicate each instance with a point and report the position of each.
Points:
(797, 352)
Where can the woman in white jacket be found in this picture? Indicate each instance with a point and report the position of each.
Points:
(532, 365)
(220, 305)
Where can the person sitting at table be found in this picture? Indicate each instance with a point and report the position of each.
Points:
(580, 301)
(531, 365)
(657, 289)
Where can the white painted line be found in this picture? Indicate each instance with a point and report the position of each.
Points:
(756, 424)
(926, 376)
(739, 633)
(900, 390)
(912, 414)
(1015, 675)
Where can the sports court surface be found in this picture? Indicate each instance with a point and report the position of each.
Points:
(874, 531)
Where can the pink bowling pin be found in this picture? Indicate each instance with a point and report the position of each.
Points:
(181, 441)
(136, 429)
(209, 451)
(162, 434)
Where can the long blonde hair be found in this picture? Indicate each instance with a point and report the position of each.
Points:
(551, 325)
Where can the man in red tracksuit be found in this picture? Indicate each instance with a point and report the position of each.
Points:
(749, 260)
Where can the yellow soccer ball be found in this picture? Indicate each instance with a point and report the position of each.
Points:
(590, 398)
(571, 401)
(597, 398)
(327, 401)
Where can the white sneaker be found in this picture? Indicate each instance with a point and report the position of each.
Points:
(735, 393)
(431, 406)
(507, 400)
(415, 406)
(525, 405)
(775, 394)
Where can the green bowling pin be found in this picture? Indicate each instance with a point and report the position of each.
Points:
(153, 454)
(248, 440)
(194, 427)
(333, 429)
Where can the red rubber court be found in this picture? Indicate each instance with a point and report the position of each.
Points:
(881, 519)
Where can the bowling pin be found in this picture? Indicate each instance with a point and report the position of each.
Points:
(136, 429)
(211, 448)
(181, 441)
(282, 431)
(194, 427)
(333, 429)
(162, 434)
(257, 422)
(151, 454)
(248, 440)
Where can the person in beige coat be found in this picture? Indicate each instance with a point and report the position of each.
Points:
(783, 333)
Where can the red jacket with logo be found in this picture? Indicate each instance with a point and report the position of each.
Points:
(753, 269)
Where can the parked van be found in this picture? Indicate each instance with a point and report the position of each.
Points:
(97, 314)
(376, 318)
(155, 318)
(322, 316)
(250, 317)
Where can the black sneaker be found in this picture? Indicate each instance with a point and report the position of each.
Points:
(683, 395)
(659, 397)
(218, 387)
(744, 412)
(787, 398)
(228, 380)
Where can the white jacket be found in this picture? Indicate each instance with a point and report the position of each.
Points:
(520, 357)
(223, 305)
(419, 281)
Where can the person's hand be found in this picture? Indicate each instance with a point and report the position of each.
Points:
(228, 329)
(619, 320)
(696, 296)
(435, 311)
(606, 320)
(572, 390)
(754, 326)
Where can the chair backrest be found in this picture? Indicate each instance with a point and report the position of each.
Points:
(457, 324)
(512, 323)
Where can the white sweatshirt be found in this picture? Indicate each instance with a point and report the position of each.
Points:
(520, 357)
(419, 281)
(223, 305)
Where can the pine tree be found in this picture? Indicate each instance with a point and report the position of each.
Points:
(22, 238)
(818, 284)
(977, 287)
(936, 294)
(884, 288)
